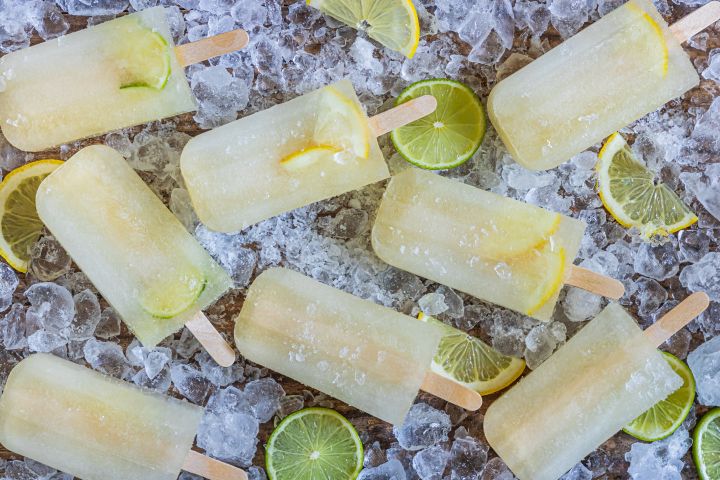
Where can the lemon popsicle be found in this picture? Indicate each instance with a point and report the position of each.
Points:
(604, 377)
(495, 248)
(133, 249)
(96, 427)
(625, 65)
(109, 76)
(364, 354)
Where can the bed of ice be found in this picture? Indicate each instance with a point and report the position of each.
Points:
(294, 50)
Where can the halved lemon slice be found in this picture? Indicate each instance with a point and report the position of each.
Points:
(471, 362)
(175, 291)
(540, 274)
(20, 223)
(309, 156)
(142, 58)
(393, 23)
(655, 49)
(342, 123)
(630, 193)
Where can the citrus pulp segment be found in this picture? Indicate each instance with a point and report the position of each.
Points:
(706, 445)
(173, 292)
(342, 123)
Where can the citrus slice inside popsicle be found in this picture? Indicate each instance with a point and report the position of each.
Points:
(342, 123)
(173, 292)
(309, 156)
(143, 58)
(540, 274)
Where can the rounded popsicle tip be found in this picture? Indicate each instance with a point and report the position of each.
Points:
(426, 104)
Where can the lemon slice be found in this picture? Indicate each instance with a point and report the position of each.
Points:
(393, 23)
(471, 362)
(629, 192)
(539, 275)
(309, 156)
(175, 291)
(142, 58)
(342, 123)
(21, 225)
(654, 50)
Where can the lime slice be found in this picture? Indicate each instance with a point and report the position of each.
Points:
(173, 292)
(447, 137)
(471, 362)
(143, 58)
(342, 123)
(308, 156)
(667, 415)
(312, 444)
(706, 446)
(393, 23)
(21, 226)
(632, 196)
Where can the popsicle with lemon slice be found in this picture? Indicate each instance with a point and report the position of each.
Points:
(495, 248)
(625, 65)
(97, 427)
(133, 249)
(313, 147)
(109, 76)
(364, 354)
(594, 385)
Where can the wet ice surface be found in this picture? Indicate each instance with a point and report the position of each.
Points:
(294, 49)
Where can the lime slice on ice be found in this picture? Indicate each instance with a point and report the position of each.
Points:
(342, 123)
(312, 444)
(471, 362)
(173, 292)
(667, 415)
(447, 137)
(706, 445)
(308, 156)
(143, 58)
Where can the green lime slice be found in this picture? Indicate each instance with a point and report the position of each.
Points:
(447, 137)
(143, 58)
(667, 415)
(314, 443)
(172, 296)
(706, 446)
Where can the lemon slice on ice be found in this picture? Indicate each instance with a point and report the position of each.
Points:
(143, 58)
(393, 23)
(630, 193)
(471, 362)
(173, 292)
(308, 156)
(20, 223)
(341, 122)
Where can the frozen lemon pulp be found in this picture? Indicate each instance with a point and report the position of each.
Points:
(309, 156)
(143, 58)
(544, 272)
(173, 292)
(655, 47)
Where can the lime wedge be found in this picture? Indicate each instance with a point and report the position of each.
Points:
(630, 193)
(667, 415)
(308, 156)
(143, 58)
(447, 137)
(173, 293)
(342, 123)
(471, 362)
(312, 444)
(706, 446)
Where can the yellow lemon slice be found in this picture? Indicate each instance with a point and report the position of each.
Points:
(175, 291)
(540, 275)
(308, 156)
(342, 123)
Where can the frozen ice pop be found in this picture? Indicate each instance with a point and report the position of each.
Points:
(366, 355)
(603, 378)
(137, 254)
(291, 155)
(495, 248)
(110, 76)
(96, 427)
(625, 65)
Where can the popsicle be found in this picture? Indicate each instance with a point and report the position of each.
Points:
(120, 73)
(137, 254)
(96, 427)
(291, 155)
(498, 249)
(622, 67)
(605, 376)
(366, 355)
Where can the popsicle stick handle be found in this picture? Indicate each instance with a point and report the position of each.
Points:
(211, 339)
(408, 112)
(207, 48)
(207, 467)
(694, 23)
(595, 282)
(660, 331)
(451, 391)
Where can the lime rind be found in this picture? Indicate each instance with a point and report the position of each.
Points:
(706, 445)
(168, 299)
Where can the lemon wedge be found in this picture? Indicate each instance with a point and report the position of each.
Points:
(308, 156)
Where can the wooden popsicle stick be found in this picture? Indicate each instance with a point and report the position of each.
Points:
(451, 391)
(660, 331)
(207, 48)
(594, 282)
(403, 114)
(694, 23)
(211, 339)
(207, 467)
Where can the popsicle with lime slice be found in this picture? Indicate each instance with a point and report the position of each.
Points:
(109, 76)
(495, 248)
(308, 149)
(604, 377)
(137, 254)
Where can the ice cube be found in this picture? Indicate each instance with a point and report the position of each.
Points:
(704, 362)
(109, 325)
(659, 460)
(220, 376)
(87, 316)
(190, 382)
(264, 397)
(424, 426)
(467, 458)
(392, 470)
(51, 307)
(107, 358)
(48, 259)
(432, 303)
(13, 328)
(430, 463)
(703, 276)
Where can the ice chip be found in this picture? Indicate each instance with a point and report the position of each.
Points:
(424, 426)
